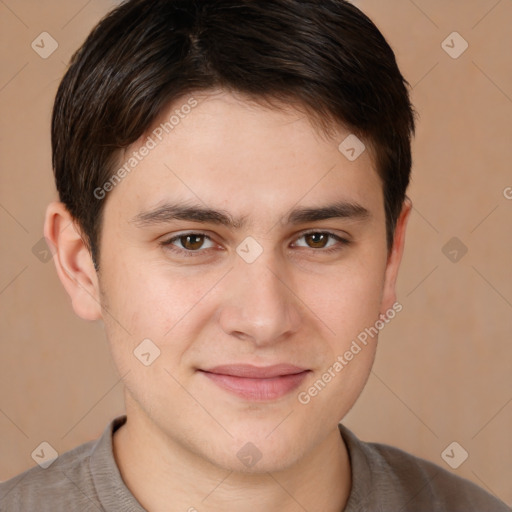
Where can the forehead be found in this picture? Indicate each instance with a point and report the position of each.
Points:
(240, 156)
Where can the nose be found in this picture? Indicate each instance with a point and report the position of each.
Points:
(259, 304)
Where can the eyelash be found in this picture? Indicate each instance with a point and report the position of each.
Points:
(168, 244)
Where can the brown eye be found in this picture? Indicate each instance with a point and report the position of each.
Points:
(189, 244)
(322, 242)
(317, 240)
(192, 242)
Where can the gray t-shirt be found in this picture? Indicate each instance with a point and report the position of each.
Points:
(384, 479)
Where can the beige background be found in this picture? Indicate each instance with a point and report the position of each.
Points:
(444, 365)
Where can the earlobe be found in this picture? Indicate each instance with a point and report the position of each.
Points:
(395, 257)
(73, 261)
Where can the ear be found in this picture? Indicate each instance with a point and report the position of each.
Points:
(395, 257)
(73, 261)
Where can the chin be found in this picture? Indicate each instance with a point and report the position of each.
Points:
(257, 454)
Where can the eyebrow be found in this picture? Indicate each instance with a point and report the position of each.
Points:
(198, 213)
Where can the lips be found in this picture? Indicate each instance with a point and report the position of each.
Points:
(256, 372)
(257, 383)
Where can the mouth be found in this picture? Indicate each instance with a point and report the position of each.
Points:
(257, 383)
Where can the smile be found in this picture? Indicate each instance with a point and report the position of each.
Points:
(257, 383)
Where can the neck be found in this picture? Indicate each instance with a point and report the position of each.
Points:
(165, 476)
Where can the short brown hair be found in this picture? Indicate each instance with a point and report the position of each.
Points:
(324, 55)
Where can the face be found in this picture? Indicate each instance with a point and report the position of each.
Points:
(251, 253)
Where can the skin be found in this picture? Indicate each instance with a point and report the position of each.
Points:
(294, 304)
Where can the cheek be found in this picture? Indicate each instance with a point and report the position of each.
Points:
(347, 300)
(349, 304)
(147, 298)
(147, 301)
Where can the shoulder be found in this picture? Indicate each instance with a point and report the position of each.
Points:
(388, 478)
(83, 478)
(68, 476)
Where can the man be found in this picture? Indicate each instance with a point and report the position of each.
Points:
(232, 179)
